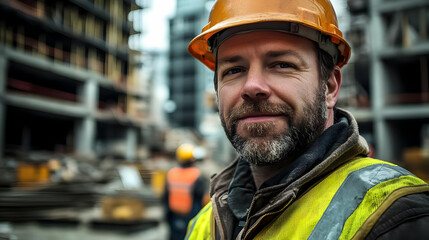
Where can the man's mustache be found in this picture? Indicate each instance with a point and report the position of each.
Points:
(260, 107)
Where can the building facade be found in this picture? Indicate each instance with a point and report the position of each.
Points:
(188, 78)
(389, 69)
(66, 79)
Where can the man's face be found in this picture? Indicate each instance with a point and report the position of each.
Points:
(270, 100)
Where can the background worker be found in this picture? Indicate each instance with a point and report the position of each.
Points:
(184, 193)
(302, 170)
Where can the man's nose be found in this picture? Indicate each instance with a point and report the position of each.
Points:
(255, 88)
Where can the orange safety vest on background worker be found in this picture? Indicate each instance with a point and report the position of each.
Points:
(180, 185)
(185, 189)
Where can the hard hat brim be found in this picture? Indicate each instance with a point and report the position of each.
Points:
(199, 48)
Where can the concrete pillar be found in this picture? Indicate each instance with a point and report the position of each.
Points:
(89, 93)
(377, 84)
(131, 143)
(3, 80)
(85, 135)
(85, 129)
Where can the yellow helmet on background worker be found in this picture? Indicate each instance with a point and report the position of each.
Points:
(185, 153)
(312, 19)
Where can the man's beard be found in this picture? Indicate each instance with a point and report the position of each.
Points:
(265, 147)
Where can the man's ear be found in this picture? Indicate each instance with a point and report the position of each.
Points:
(333, 87)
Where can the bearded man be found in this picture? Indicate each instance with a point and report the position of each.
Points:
(302, 170)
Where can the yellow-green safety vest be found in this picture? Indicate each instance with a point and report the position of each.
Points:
(344, 205)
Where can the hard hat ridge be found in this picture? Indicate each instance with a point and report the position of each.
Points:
(309, 15)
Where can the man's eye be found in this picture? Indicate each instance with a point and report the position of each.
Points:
(233, 71)
(283, 65)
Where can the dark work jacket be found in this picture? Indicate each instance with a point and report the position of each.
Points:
(407, 218)
(233, 192)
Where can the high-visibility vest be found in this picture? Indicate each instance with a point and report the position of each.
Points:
(180, 185)
(344, 205)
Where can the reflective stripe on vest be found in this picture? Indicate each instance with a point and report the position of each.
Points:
(199, 227)
(180, 183)
(344, 205)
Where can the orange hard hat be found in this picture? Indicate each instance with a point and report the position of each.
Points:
(313, 19)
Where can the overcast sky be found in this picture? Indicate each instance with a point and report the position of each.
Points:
(155, 20)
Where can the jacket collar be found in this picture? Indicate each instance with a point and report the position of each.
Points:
(242, 188)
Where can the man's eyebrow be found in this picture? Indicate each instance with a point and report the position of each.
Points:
(270, 54)
(274, 54)
(232, 59)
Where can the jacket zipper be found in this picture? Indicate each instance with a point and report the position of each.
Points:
(263, 216)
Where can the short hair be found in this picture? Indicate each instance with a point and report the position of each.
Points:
(326, 65)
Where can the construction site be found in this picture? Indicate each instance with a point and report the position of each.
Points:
(86, 140)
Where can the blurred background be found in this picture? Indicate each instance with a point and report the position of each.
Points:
(96, 95)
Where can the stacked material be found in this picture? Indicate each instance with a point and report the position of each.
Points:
(45, 202)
